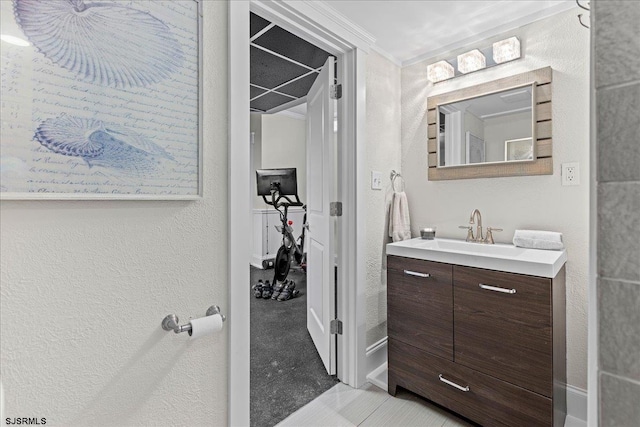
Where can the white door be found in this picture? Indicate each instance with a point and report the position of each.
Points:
(320, 185)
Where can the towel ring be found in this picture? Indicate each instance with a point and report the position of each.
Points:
(393, 177)
(587, 8)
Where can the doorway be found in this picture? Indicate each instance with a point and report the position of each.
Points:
(286, 370)
(350, 49)
(292, 349)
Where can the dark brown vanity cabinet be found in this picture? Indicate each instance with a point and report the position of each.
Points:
(488, 345)
(420, 304)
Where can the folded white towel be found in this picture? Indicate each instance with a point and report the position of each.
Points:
(535, 239)
(399, 223)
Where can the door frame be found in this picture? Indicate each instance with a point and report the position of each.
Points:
(324, 28)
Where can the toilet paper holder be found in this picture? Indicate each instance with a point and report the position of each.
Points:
(170, 322)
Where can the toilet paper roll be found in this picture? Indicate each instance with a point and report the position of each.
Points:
(204, 326)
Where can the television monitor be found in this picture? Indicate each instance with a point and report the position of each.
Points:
(285, 179)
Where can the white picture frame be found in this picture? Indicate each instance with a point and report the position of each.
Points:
(113, 115)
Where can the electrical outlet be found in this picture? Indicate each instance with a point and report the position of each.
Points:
(570, 173)
(376, 180)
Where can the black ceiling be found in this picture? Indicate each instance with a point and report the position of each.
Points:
(283, 66)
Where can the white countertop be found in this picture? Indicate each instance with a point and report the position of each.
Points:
(499, 257)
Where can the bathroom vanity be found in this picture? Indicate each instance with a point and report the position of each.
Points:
(479, 329)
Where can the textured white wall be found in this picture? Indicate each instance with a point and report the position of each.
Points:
(85, 284)
(383, 155)
(538, 202)
(284, 145)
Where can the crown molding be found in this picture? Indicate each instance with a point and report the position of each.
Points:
(476, 38)
(386, 55)
(342, 21)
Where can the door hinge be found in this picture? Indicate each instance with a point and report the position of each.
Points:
(335, 327)
(336, 91)
(335, 208)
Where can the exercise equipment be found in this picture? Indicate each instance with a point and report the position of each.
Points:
(281, 186)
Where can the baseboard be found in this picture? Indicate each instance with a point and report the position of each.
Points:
(377, 364)
(379, 377)
(256, 260)
(577, 403)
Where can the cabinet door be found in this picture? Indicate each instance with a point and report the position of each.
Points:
(503, 326)
(482, 398)
(420, 304)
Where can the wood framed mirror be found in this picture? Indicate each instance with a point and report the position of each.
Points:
(494, 129)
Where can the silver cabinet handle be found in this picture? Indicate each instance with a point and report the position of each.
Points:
(415, 273)
(497, 289)
(452, 384)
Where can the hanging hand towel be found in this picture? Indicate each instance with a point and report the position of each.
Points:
(535, 239)
(399, 223)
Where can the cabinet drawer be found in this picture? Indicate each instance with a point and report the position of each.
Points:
(488, 401)
(503, 326)
(420, 304)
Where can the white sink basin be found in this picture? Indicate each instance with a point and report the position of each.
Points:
(500, 257)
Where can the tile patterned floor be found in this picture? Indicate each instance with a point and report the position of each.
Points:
(369, 406)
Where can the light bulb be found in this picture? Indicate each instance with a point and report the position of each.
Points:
(506, 50)
(471, 61)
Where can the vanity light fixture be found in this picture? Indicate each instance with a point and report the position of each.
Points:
(440, 71)
(506, 50)
(477, 59)
(471, 61)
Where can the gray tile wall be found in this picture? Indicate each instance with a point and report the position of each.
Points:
(617, 79)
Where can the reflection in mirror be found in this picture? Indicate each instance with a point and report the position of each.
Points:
(497, 127)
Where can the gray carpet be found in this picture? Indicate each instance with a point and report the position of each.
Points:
(286, 370)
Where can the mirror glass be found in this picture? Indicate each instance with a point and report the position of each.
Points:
(492, 128)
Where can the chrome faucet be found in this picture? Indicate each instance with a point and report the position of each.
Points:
(478, 236)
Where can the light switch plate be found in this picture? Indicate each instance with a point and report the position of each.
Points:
(376, 180)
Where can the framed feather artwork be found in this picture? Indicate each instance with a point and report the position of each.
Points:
(101, 99)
